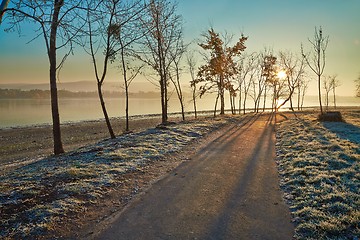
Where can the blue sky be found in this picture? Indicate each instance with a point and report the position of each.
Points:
(278, 24)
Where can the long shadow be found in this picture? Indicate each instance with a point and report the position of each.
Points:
(195, 172)
(221, 142)
(219, 228)
(344, 131)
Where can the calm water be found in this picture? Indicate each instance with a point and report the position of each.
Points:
(23, 112)
(29, 112)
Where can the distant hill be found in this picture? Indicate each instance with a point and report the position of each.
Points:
(83, 86)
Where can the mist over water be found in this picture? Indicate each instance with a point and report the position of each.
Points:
(25, 112)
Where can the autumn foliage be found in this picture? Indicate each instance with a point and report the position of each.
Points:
(220, 65)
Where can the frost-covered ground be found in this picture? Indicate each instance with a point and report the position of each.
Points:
(319, 166)
(37, 196)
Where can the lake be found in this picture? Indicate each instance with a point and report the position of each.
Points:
(24, 112)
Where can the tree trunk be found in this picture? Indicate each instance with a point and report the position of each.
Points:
(244, 104)
(163, 97)
(291, 102)
(258, 104)
(216, 102)
(123, 64)
(222, 97)
(264, 103)
(319, 87)
(166, 101)
(327, 100)
(231, 103)
(182, 111)
(194, 100)
(334, 97)
(274, 99)
(179, 92)
(58, 148)
(234, 105)
(103, 107)
(288, 99)
(298, 100)
(127, 128)
(302, 100)
(240, 99)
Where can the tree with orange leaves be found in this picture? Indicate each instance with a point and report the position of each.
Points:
(220, 65)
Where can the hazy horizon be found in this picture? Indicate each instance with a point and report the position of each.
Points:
(280, 25)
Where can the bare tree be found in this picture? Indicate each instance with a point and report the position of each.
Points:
(101, 29)
(127, 33)
(330, 83)
(302, 87)
(294, 68)
(106, 26)
(327, 87)
(316, 59)
(176, 55)
(58, 30)
(130, 72)
(191, 63)
(246, 76)
(335, 83)
(163, 27)
(128, 79)
(259, 79)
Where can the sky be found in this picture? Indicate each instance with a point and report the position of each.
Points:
(276, 24)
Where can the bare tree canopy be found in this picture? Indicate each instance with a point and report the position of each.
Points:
(56, 25)
(316, 58)
(247, 71)
(109, 34)
(330, 83)
(191, 63)
(3, 6)
(163, 28)
(294, 70)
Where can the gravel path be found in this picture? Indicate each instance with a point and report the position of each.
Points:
(228, 190)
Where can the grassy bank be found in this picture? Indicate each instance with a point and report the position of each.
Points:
(319, 165)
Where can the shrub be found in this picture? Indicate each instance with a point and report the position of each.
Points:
(331, 117)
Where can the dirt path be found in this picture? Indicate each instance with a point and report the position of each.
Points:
(229, 190)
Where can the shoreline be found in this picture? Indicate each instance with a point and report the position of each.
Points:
(24, 143)
(158, 115)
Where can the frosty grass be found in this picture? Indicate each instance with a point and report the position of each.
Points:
(319, 165)
(35, 197)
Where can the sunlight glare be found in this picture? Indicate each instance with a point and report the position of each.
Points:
(281, 74)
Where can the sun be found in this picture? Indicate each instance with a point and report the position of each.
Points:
(281, 74)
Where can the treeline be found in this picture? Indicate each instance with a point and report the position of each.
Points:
(45, 94)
